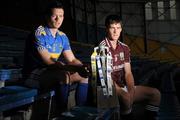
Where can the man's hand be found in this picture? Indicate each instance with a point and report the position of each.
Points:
(83, 71)
(59, 63)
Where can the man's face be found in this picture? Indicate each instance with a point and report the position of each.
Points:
(114, 31)
(56, 18)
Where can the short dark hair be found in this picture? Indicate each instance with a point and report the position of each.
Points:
(110, 19)
(53, 4)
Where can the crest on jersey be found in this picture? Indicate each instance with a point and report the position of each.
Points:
(121, 55)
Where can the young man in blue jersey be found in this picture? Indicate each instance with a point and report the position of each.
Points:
(122, 76)
(42, 67)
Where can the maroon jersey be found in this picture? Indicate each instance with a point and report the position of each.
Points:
(120, 55)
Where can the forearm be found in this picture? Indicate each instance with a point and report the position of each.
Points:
(48, 61)
(75, 62)
(130, 83)
(46, 57)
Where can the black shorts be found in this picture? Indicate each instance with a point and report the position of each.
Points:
(46, 78)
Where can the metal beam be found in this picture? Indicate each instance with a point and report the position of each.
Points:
(145, 31)
(128, 1)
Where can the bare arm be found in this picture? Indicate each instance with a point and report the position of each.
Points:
(71, 59)
(46, 57)
(129, 79)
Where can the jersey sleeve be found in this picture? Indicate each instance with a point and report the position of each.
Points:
(39, 41)
(127, 54)
(66, 44)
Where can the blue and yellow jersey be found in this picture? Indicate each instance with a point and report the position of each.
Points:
(55, 46)
(43, 40)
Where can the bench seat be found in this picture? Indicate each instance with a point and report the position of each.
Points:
(15, 96)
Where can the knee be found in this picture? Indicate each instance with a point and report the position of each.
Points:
(62, 77)
(126, 104)
(65, 78)
(126, 100)
(56, 74)
(155, 95)
(84, 80)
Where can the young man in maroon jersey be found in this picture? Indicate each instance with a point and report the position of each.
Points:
(122, 76)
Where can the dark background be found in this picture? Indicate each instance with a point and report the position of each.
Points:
(27, 14)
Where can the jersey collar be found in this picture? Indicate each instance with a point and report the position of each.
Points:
(48, 32)
(109, 43)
